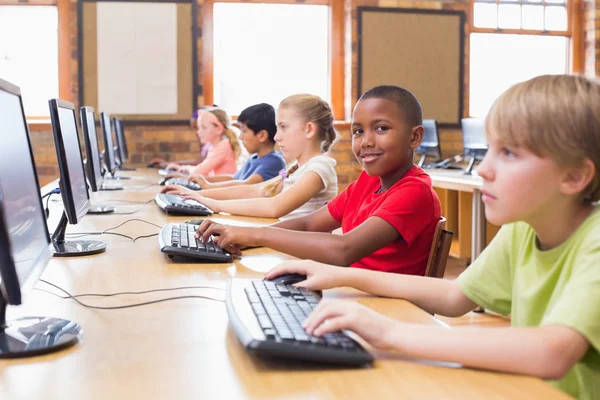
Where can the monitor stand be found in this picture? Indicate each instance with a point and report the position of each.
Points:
(32, 336)
(469, 169)
(113, 177)
(101, 209)
(422, 161)
(74, 248)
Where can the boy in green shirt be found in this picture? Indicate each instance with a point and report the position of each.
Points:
(541, 182)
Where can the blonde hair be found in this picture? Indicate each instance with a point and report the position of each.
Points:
(556, 116)
(270, 189)
(229, 133)
(316, 110)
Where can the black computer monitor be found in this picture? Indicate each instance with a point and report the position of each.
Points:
(109, 154)
(93, 168)
(430, 145)
(25, 245)
(73, 187)
(474, 142)
(122, 143)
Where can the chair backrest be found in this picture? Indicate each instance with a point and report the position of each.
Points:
(440, 249)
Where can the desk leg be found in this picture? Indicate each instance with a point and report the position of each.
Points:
(478, 224)
(478, 230)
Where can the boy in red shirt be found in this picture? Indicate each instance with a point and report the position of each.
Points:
(388, 215)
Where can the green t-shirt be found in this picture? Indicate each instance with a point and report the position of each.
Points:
(560, 286)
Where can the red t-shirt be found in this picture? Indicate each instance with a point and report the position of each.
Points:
(411, 206)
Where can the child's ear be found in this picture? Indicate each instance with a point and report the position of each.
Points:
(262, 136)
(416, 136)
(311, 130)
(576, 179)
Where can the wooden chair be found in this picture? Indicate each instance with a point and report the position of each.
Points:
(440, 249)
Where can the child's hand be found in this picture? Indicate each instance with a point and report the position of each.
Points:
(335, 315)
(199, 179)
(188, 194)
(175, 175)
(227, 236)
(177, 189)
(319, 276)
(174, 166)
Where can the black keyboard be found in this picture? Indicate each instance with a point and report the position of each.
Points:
(178, 240)
(267, 320)
(183, 182)
(174, 203)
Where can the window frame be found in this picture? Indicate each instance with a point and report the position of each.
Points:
(574, 30)
(336, 49)
(64, 54)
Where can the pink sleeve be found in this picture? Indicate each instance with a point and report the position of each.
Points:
(216, 156)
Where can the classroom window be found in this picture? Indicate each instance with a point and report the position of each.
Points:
(550, 15)
(500, 61)
(266, 52)
(512, 41)
(29, 54)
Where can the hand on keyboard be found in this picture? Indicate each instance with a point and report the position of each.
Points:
(335, 315)
(180, 190)
(231, 238)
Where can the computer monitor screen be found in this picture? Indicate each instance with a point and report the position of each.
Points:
(473, 133)
(109, 155)
(76, 197)
(430, 145)
(22, 213)
(94, 170)
(123, 153)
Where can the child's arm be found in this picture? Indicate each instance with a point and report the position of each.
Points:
(436, 296)
(216, 178)
(268, 207)
(236, 192)
(318, 221)
(547, 352)
(215, 182)
(370, 236)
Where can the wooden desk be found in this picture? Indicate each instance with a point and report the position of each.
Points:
(461, 205)
(185, 349)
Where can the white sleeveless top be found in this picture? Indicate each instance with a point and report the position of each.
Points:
(323, 166)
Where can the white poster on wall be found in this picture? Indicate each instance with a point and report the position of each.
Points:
(137, 58)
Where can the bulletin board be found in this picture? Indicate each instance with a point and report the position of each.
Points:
(137, 58)
(419, 50)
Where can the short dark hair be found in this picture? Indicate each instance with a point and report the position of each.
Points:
(258, 117)
(406, 101)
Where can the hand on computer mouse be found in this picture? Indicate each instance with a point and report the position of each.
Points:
(319, 276)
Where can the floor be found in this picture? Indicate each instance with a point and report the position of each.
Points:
(453, 269)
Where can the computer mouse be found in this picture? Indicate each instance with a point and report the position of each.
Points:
(194, 221)
(162, 181)
(154, 164)
(288, 279)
